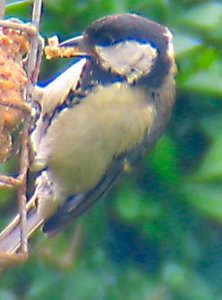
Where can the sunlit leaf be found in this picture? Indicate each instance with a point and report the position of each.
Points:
(164, 160)
(184, 44)
(206, 16)
(205, 198)
(208, 81)
(211, 167)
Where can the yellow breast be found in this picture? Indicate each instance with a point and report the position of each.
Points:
(82, 141)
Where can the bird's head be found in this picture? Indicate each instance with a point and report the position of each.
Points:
(129, 46)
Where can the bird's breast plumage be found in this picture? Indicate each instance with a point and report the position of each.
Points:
(110, 121)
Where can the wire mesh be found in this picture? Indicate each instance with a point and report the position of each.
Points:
(31, 68)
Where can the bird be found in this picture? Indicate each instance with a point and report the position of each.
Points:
(100, 116)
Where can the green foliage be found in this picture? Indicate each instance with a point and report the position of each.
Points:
(158, 234)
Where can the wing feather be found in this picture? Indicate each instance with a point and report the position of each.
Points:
(77, 205)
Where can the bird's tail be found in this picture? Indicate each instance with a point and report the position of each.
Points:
(10, 238)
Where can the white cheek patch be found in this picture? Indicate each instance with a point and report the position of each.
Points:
(129, 58)
(170, 51)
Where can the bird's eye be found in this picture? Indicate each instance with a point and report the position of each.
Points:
(106, 40)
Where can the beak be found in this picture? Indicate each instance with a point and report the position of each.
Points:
(77, 46)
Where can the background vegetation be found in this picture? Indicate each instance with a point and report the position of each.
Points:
(158, 234)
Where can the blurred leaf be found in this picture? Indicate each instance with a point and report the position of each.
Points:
(211, 167)
(7, 295)
(206, 198)
(47, 287)
(206, 81)
(180, 277)
(164, 160)
(90, 284)
(19, 9)
(184, 44)
(134, 205)
(17, 4)
(128, 203)
(206, 16)
(210, 123)
(174, 274)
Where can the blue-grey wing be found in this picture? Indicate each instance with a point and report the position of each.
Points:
(76, 205)
(52, 96)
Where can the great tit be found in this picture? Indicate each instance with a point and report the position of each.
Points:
(100, 116)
